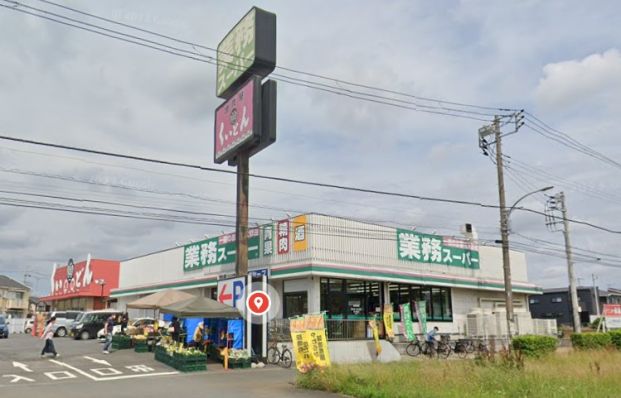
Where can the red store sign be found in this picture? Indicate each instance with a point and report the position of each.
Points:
(86, 275)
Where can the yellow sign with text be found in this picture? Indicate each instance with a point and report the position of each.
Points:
(300, 240)
(374, 327)
(389, 321)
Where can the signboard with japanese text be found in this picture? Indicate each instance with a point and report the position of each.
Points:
(83, 282)
(375, 330)
(217, 251)
(238, 121)
(420, 309)
(282, 231)
(268, 240)
(248, 49)
(406, 320)
(426, 248)
(389, 321)
(612, 314)
(301, 346)
(300, 241)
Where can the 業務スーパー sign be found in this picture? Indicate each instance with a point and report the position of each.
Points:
(218, 250)
(426, 248)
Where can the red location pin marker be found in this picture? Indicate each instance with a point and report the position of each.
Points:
(258, 302)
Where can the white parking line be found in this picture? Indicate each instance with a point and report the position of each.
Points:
(86, 374)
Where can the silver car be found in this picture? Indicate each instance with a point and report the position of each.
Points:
(64, 319)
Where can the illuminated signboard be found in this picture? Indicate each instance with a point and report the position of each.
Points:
(248, 49)
(238, 121)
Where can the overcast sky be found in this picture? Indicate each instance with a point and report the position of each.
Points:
(559, 60)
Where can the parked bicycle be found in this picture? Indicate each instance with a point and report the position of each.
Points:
(463, 347)
(282, 356)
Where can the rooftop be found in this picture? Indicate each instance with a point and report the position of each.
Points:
(11, 283)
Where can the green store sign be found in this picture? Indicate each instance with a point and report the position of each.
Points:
(217, 251)
(434, 249)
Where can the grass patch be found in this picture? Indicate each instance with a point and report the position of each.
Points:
(573, 374)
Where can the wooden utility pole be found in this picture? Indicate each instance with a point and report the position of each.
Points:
(241, 268)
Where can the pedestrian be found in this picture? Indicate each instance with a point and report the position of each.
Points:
(175, 326)
(108, 328)
(48, 335)
(199, 336)
(124, 320)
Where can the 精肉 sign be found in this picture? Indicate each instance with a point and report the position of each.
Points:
(426, 248)
(238, 121)
(248, 49)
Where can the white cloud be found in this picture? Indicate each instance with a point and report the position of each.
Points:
(593, 79)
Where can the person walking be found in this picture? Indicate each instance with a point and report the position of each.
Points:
(48, 335)
(108, 328)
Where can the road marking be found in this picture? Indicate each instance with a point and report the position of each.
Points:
(140, 368)
(100, 361)
(107, 372)
(17, 378)
(22, 366)
(113, 377)
(60, 375)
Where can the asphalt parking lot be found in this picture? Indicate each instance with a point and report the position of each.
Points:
(82, 370)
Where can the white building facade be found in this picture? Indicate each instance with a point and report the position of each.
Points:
(348, 269)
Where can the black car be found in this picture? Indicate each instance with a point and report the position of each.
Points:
(4, 328)
(89, 323)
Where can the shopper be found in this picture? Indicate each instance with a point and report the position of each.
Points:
(176, 329)
(199, 336)
(124, 320)
(48, 335)
(108, 328)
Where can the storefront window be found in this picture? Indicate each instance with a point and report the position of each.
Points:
(437, 300)
(295, 304)
(351, 299)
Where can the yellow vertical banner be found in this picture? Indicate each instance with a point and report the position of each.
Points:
(375, 329)
(313, 322)
(319, 347)
(300, 240)
(389, 321)
(301, 346)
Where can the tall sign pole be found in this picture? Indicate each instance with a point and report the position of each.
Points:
(246, 122)
(243, 161)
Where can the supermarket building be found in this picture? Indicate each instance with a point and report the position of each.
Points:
(347, 268)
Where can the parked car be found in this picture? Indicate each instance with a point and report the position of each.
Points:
(136, 323)
(4, 327)
(28, 325)
(64, 320)
(87, 326)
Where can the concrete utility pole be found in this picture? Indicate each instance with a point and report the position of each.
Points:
(570, 266)
(596, 293)
(504, 227)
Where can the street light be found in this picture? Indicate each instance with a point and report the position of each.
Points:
(101, 282)
(506, 264)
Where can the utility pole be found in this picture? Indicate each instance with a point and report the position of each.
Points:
(504, 227)
(484, 132)
(570, 266)
(596, 293)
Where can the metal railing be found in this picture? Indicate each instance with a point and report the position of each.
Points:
(337, 330)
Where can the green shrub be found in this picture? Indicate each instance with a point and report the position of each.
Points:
(596, 322)
(589, 341)
(534, 346)
(615, 338)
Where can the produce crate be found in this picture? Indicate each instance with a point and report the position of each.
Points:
(120, 342)
(239, 363)
(192, 368)
(141, 347)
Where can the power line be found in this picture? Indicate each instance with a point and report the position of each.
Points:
(331, 79)
(291, 180)
(196, 56)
